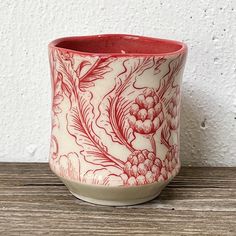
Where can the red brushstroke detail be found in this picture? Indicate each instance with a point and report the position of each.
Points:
(146, 115)
(143, 167)
(54, 148)
(167, 81)
(150, 110)
(171, 162)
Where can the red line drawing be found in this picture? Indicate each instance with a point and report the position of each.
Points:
(124, 111)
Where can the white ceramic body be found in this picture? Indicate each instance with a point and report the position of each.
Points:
(115, 120)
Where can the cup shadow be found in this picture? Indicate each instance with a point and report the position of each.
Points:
(191, 126)
(197, 132)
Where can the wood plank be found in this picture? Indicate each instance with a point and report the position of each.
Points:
(199, 201)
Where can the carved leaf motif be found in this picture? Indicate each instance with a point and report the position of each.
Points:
(96, 72)
(113, 116)
(80, 125)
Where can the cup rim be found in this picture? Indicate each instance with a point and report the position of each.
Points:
(54, 43)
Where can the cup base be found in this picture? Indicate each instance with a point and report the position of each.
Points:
(115, 203)
(115, 196)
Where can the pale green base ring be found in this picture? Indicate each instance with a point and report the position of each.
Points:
(114, 196)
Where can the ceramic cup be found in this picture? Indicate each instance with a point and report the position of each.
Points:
(115, 116)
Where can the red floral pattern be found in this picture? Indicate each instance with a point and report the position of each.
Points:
(146, 113)
(174, 110)
(142, 167)
(171, 162)
(125, 111)
(58, 97)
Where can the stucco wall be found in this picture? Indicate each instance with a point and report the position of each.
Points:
(208, 130)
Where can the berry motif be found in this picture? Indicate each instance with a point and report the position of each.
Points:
(146, 115)
(143, 167)
(171, 162)
(173, 111)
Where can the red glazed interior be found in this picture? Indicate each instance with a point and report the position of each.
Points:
(118, 44)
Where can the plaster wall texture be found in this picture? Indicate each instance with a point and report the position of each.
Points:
(208, 123)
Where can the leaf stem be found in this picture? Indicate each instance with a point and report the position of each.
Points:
(116, 128)
(88, 132)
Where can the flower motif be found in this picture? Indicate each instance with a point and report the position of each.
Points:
(173, 111)
(146, 115)
(68, 166)
(142, 167)
(171, 162)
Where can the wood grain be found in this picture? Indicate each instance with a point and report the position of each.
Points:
(199, 201)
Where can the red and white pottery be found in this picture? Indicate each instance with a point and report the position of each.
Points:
(115, 115)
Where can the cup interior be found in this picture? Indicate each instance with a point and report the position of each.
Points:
(118, 44)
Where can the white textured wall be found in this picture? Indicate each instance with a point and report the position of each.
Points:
(208, 131)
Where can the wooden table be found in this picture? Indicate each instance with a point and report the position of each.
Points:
(199, 201)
